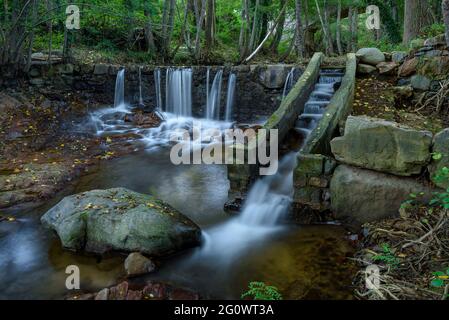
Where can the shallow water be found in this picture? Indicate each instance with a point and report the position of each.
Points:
(303, 262)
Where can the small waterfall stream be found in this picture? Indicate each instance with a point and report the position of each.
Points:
(289, 82)
(214, 97)
(270, 197)
(119, 97)
(140, 87)
(157, 84)
(230, 96)
(178, 94)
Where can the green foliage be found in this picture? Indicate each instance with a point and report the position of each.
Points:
(260, 291)
(387, 257)
(441, 199)
(440, 279)
(433, 30)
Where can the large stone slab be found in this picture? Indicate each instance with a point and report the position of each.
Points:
(440, 146)
(119, 219)
(371, 56)
(362, 195)
(383, 146)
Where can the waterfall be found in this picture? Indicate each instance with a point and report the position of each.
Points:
(289, 81)
(207, 86)
(269, 199)
(230, 97)
(140, 87)
(179, 92)
(157, 84)
(213, 101)
(119, 98)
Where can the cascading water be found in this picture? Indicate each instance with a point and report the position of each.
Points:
(140, 87)
(289, 81)
(270, 197)
(214, 97)
(179, 92)
(157, 84)
(230, 96)
(119, 98)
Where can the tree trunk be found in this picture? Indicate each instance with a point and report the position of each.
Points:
(279, 31)
(254, 30)
(330, 41)
(354, 34)
(326, 36)
(243, 38)
(416, 16)
(338, 29)
(210, 24)
(50, 31)
(200, 14)
(445, 11)
(299, 33)
(31, 41)
(349, 44)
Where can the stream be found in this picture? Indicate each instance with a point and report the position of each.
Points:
(303, 262)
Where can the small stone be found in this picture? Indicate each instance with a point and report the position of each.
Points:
(398, 56)
(136, 264)
(371, 56)
(420, 82)
(408, 67)
(387, 67)
(365, 68)
(103, 294)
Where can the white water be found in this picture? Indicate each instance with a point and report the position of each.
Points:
(270, 197)
(289, 82)
(230, 97)
(157, 84)
(178, 94)
(140, 87)
(119, 97)
(214, 97)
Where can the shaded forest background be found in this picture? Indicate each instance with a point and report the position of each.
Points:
(210, 31)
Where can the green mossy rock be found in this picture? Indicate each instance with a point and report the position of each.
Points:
(383, 146)
(118, 219)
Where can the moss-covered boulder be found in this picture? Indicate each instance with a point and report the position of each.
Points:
(383, 146)
(440, 147)
(118, 219)
(362, 196)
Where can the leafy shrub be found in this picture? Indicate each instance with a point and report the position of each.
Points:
(260, 291)
(387, 257)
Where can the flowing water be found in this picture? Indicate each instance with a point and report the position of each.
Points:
(119, 98)
(214, 97)
(303, 262)
(230, 96)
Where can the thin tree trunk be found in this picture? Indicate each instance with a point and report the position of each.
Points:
(243, 38)
(200, 16)
(349, 44)
(210, 24)
(330, 41)
(445, 12)
(327, 40)
(279, 31)
(416, 16)
(338, 29)
(254, 27)
(33, 22)
(299, 33)
(50, 31)
(354, 34)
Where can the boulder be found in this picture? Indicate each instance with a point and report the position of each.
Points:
(420, 82)
(383, 146)
(137, 264)
(371, 56)
(439, 40)
(434, 68)
(362, 195)
(387, 67)
(408, 67)
(402, 92)
(398, 56)
(365, 68)
(441, 146)
(118, 219)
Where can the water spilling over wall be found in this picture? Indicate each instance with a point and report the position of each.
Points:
(119, 98)
(230, 97)
(178, 93)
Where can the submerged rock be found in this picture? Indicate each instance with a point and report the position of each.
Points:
(137, 264)
(371, 56)
(123, 220)
(383, 146)
(363, 195)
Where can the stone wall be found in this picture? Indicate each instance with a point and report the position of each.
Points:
(258, 88)
(315, 162)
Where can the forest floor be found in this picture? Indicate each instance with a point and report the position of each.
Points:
(376, 97)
